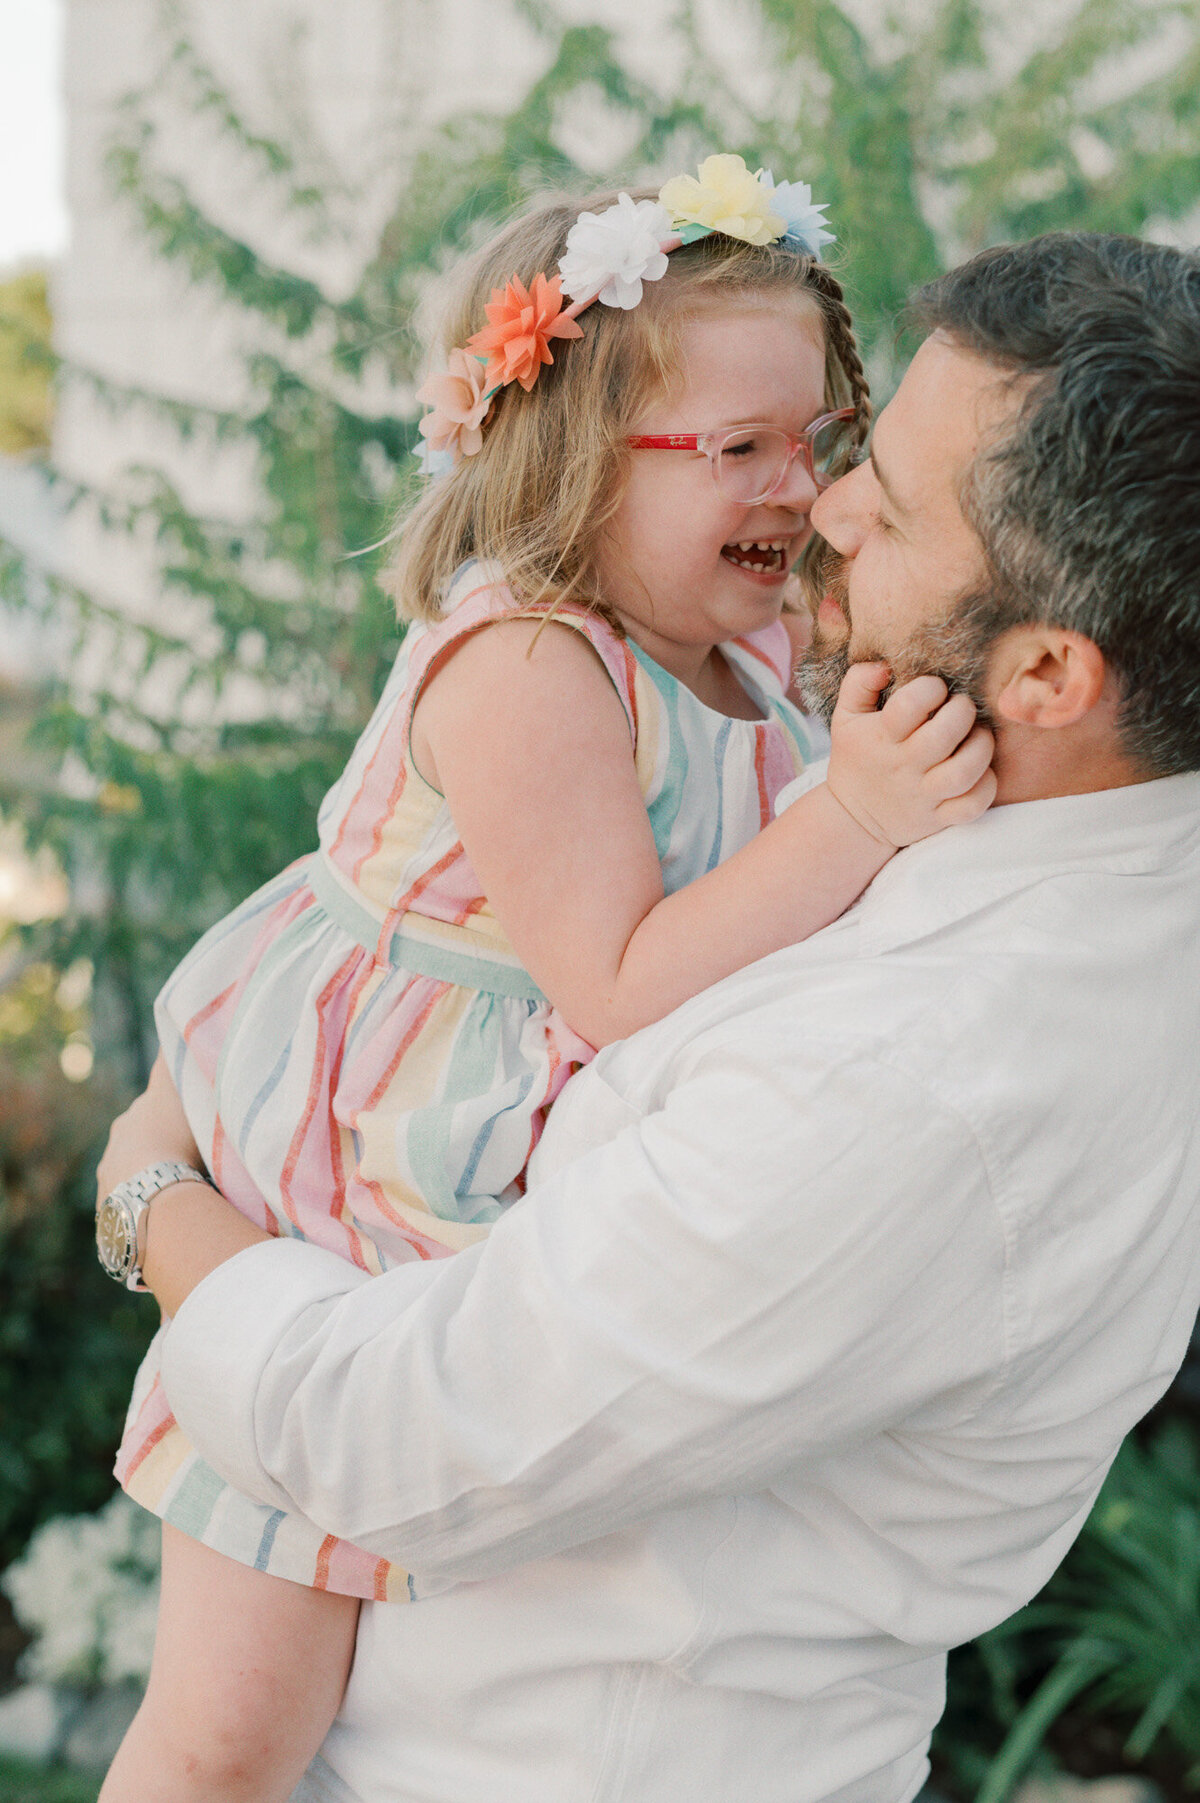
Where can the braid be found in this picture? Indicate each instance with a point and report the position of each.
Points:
(842, 345)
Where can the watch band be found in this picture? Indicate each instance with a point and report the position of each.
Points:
(119, 1216)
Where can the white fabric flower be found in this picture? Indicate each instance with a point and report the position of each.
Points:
(806, 227)
(609, 255)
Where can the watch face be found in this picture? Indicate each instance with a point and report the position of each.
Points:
(116, 1240)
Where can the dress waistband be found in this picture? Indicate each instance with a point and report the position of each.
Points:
(406, 951)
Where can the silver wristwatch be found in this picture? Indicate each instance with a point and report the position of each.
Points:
(119, 1216)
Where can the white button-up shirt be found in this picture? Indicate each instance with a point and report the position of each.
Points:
(802, 1361)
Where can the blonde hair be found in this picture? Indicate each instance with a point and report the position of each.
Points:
(536, 499)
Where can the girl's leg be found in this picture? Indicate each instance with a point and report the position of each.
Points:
(247, 1675)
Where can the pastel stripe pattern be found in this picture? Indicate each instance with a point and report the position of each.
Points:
(363, 1061)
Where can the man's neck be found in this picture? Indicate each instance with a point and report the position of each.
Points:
(1034, 764)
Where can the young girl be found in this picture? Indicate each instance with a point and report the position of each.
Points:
(556, 827)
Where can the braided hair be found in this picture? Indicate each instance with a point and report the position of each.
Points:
(843, 346)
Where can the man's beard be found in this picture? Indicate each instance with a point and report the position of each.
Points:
(956, 647)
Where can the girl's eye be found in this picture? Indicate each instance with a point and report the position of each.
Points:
(744, 447)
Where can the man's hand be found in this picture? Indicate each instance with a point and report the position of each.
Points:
(919, 763)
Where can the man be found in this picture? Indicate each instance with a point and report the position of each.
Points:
(836, 1291)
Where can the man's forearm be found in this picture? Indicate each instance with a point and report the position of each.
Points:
(190, 1230)
(658, 1323)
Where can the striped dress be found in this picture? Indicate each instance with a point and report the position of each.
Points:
(362, 1059)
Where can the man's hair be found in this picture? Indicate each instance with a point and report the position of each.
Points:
(1089, 508)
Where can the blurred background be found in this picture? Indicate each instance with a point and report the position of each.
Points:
(220, 226)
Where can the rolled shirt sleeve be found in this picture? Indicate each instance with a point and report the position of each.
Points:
(792, 1253)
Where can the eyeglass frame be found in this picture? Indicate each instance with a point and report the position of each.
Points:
(713, 443)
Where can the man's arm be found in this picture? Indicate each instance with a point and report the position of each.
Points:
(787, 1256)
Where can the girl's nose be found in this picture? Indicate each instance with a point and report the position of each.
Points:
(797, 491)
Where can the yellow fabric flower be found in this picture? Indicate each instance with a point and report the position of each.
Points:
(727, 198)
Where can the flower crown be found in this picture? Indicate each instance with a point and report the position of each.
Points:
(608, 257)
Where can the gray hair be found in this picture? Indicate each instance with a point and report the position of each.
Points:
(1088, 509)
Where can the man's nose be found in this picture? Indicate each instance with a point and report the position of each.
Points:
(841, 512)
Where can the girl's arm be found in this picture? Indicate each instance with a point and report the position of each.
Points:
(543, 790)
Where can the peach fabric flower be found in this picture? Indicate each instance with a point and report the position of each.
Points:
(520, 322)
(459, 401)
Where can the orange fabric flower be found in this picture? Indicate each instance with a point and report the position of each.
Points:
(520, 322)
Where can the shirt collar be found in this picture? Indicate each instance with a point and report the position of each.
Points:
(1130, 830)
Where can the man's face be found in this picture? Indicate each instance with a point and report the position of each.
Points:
(907, 581)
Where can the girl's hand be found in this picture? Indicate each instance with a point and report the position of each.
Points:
(919, 763)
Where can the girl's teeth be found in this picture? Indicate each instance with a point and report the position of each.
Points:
(757, 554)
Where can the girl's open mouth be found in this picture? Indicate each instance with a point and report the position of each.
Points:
(766, 557)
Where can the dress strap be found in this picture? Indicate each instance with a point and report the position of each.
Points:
(411, 946)
(479, 598)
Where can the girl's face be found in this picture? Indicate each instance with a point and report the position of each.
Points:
(677, 561)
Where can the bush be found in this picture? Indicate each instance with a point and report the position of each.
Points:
(70, 1340)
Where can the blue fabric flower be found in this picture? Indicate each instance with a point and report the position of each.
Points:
(805, 225)
(433, 463)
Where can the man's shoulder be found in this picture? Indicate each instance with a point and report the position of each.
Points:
(984, 963)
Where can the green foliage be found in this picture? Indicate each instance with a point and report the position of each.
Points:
(25, 363)
(24, 1783)
(935, 139)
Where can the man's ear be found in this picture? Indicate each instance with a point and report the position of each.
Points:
(1046, 676)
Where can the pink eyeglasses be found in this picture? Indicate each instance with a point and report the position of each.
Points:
(750, 462)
